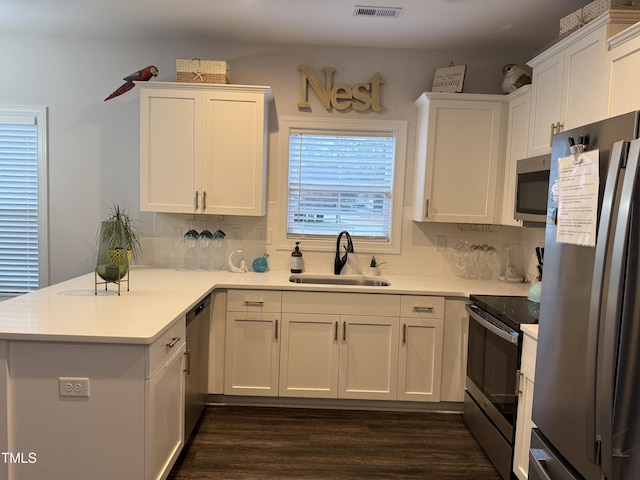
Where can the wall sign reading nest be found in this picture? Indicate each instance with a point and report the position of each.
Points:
(360, 97)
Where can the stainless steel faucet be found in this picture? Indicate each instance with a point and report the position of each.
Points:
(340, 262)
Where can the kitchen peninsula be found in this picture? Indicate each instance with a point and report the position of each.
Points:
(124, 347)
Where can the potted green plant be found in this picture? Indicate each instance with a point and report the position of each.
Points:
(374, 266)
(124, 223)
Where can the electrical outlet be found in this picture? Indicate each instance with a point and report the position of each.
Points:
(441, 243)
(177, 233)
(73, 387)
(236, 234)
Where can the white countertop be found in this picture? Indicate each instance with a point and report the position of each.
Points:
(70, 311)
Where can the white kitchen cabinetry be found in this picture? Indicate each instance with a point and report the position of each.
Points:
(421, 345)
(309, 355)
(623, 60)
(569, 81)
(517, 145)
(132, 413)
(524, 424)
(252, 346)
(165, 402)
(368, 357)
(459, 157)
(339, 345)
(203, 148)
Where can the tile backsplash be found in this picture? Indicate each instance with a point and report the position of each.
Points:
(428, 249)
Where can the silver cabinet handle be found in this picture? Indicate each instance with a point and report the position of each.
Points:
(187, 369)
(335, 337)
(254, 303)
(173, 341)
(404, 334)
(204, 200)
(276, 329)
(197, 193)
(426, 208)
(423, 309)
(344, 331)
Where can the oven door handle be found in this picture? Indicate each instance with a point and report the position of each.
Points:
(508, 335)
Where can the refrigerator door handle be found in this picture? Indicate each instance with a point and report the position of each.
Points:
(606, 382)
(602, 254)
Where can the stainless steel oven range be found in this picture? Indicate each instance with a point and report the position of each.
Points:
(493, 361)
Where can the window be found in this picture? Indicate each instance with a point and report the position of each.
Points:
(23, 226)
(343, 175)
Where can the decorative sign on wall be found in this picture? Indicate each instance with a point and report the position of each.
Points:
(449, 79)
(360, 97)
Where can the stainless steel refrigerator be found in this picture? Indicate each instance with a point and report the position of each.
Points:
(586, 403)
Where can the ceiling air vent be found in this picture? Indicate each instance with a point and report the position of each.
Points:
(366, 11)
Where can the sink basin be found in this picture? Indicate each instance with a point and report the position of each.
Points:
(340, 280)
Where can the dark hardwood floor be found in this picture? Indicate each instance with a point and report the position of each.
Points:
(274, 443)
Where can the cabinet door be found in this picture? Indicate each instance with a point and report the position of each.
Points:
(309, 355)
(368, 357)
(251, 354)
(547, 107)
(624, 65)
(524, 423)
(517, 144)
(420, 359)
(585, 78)
(463, 162)
(523, 427)
(234, 162)
(164, 417)
(170, 150)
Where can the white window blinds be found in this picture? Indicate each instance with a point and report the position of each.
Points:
(340, 181)
(18, 205)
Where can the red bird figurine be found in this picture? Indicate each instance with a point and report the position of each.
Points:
(141, 75)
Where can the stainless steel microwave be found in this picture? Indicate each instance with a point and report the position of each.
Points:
(532, 189)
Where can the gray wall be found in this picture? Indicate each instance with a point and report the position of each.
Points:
(94, 146)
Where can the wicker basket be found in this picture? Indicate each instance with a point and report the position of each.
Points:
(195, 70)
(590, 11)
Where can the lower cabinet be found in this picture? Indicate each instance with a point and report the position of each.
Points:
(252, 345)
(164, 416)
(524, 424)
(421, 348)
(341, 346)
(128, 424)
(309, 355)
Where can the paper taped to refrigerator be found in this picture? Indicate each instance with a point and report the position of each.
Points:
(579, 180)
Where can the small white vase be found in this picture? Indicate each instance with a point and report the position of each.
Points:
(373, 271)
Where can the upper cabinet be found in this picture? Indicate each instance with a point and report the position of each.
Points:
(203, 148)
(517, 141)
(623, 61)
(569, 81)
(459, 157)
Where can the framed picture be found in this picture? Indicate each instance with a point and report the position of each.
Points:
(449, 79)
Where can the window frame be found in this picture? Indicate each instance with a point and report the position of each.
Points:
(313, 243)
(39, 115)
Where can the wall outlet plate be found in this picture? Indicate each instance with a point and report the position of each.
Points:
(441, 243)
(73, 386)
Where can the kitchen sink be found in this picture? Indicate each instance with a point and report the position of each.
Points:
(340, 280)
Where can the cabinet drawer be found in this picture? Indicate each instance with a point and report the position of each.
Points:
(162, 350)
(380, 305)
(419, 306)
(254, 300)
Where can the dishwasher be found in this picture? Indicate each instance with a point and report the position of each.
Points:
(197, 363)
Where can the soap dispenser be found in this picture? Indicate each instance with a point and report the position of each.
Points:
(296, 259)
